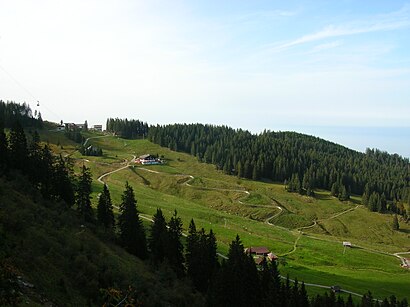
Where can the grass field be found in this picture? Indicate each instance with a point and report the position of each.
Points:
(318, 256)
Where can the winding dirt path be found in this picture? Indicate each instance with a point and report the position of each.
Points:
(247, 193)
(315, 222)
(267, 221)
(128, 164)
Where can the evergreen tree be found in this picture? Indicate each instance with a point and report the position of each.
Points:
(159, 237)
(303, 297)
(175, 249)
(294, 184)
(367, 300)
(238, 283)
(4, 154)
(343, 194)
(335, 189)
(366, 195)
(270, 283)
(349, 302)
(212, 257)
(374, 201)
(18, 146)
(35, 158)
(192, 253)
(395, 224)
(63, 183)
(132, 233)
(105, 214)
(255, 173)
(239, 170)
(83, 192)
(382, 205)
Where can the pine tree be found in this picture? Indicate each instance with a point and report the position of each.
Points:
(239, 281)
(382, 206)
(191, 255)
(212, 257)
(366, 195)
(63, 183)
(34, 167)
(367, 300)
(349, 302)
(4, 154)
(132, 233)
(239, 169)
(175, 249)
(395, 224)
(270, 283)
(159, 237)
(335, 189)
(343, 194)
(303, 297)
(83, 198)
(46, 172)
(105, 214)
(18, 146)
(255, 173)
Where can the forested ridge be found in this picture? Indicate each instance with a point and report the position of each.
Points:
(303, 162)
(10, 112)
(128, 129)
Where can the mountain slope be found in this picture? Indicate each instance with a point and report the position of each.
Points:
(68, 262)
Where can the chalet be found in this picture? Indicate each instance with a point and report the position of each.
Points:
(259, 260)
(272, 257)
(148, 160)
(97, 128)
(260, 253)
(257, 251)
(347, 244)
(72, 126)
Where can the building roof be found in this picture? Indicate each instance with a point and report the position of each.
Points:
(272, 256)
(145, 156)
(257, 250)
(259, 260)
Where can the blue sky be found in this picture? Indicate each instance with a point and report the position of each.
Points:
(309, 66)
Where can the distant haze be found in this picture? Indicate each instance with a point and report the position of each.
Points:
(335, 69)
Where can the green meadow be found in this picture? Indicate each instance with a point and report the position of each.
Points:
(307, 234)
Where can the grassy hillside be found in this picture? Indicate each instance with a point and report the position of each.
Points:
(307, 232)
(66, 262)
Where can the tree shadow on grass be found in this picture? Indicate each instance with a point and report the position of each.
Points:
(321, 196)
(406, 231)
(144, 180)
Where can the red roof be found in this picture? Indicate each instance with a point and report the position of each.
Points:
(258, 250)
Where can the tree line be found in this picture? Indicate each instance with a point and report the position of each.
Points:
(302, 162)
(128, 129)
(11, 112)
